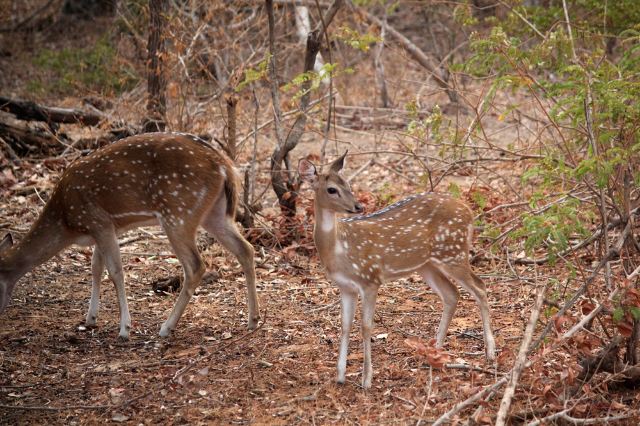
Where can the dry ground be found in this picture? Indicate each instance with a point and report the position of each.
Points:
(282, 373)
(212, 371)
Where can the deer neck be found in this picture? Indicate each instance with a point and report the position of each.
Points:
(43, 241)
(325, 235)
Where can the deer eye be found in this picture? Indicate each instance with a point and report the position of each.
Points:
(332, 190)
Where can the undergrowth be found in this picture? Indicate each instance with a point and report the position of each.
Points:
(70, 70)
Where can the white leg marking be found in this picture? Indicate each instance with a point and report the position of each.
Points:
(348, 308)
(368, 310)
(108, 246)
(97, 269)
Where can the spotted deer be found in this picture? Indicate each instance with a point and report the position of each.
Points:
(173, 180)
(429, 234)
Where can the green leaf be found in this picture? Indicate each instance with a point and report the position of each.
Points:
(618, 314)
(355, 39)
(454, 190)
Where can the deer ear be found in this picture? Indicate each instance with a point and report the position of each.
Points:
(337, 165)
(307, 171)
(6, 242)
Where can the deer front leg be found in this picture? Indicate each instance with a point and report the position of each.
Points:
(368, 310)
(107, 244)
(97, 269)
(347, 312)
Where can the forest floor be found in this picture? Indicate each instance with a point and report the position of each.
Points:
(212, 370)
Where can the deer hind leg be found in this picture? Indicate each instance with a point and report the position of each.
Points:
(448, 293)
(107, 246)
(97, 269)
(474, 285)
(218, 224)
(183, 242)
(347, 311)
(369, 295)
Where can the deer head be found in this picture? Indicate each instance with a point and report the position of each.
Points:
(332, 191)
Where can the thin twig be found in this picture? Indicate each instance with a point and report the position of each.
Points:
(446, 417)
(426, 401)
(587, 318)
(520, 359)
(63, 408)
(287, 115)
(574, 420)
(522, 18)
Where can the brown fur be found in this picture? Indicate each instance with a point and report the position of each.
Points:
(426, 233)
(174, 180)
(231, 192)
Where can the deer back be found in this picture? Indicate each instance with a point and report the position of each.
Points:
(406, 235)
(170, 176)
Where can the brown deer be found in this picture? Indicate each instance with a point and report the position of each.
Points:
(173, 180)
(429, 234)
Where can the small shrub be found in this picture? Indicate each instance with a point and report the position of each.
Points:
(93, 68)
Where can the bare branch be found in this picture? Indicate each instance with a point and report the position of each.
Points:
(520, 359)
(416, 53)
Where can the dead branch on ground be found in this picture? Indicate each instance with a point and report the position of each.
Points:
(521, 359)
(24, 137)
(29, 110)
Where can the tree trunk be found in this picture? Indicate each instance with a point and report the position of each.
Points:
(232, 100)
(303, 28)
(156, 79)
(282, 180)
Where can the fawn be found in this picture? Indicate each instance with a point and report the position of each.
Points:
(175, 180)
(426, 233)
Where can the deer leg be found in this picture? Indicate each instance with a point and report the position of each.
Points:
(97, 269)
(489, 341)
(184, 246)
(448, 293)
(474, 285)
(347, 312)
(369, 295)
(107, 245)
(224, 230)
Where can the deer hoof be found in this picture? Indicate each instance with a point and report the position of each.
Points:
(165, 331)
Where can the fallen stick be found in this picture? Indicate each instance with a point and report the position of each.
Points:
(446, 417)
(28, 110)
(519, 364)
